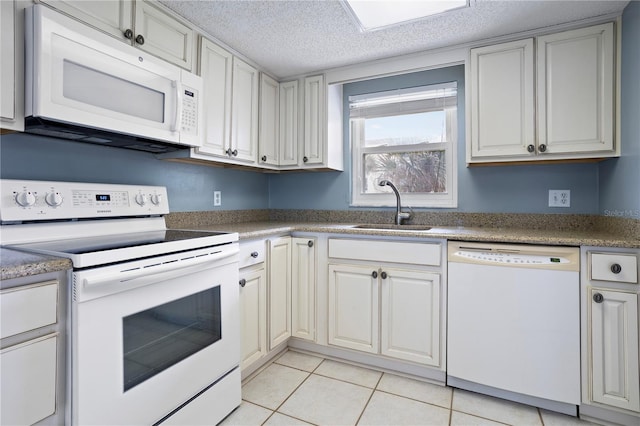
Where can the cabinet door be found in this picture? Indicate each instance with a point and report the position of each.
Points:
(410, 323)
(353, 307)
(7, 66)
(269, 108)
(289, 123)
(279, 291)
(303, 287)
(111, 16)
(253, 315)
(28, 381)
(614, 349)
(244, 115)
(313, 152)
(216, 66)
(163, 36)
(502, 100)
(576, 90)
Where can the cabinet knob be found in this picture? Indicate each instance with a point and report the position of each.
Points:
(542, 148)
(383, 275)
(229, 152)
(310, 243)
(305, 159)
(242, 282)
(235, 152)
(374, 274)
(254, 254)
(264, 158)
(531, 148)
(598, 298)
(616, 268)
(128, 34)
(140, 39)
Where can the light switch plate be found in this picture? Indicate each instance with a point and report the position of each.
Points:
(217, 198)
(559, 198)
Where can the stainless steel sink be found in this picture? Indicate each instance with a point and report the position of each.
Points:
(389, 226)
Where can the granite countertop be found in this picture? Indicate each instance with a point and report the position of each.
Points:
(16, 264)
(254, 230)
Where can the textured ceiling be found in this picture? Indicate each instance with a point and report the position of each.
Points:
(289, 38)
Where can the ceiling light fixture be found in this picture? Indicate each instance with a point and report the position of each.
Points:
(376, 14)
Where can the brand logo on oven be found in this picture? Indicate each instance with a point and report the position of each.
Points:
(103, 211)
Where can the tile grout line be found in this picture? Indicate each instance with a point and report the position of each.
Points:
(369, 399)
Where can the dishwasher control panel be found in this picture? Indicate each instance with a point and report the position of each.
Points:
(511, 258)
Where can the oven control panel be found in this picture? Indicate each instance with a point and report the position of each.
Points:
(27, 200)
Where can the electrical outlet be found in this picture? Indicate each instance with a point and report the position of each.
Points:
(559, 198)
(217, 198)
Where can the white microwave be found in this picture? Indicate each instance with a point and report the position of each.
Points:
(84, 85)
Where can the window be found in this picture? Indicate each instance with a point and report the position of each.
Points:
(407, 136)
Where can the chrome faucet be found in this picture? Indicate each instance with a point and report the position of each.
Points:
(400, 215)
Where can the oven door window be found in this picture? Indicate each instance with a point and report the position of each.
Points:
(162, 336)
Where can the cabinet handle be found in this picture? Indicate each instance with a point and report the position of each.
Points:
(305, 159)
(140, 39)
(264, 158)
(383, 275)
(254, 254)
(531, 148)
(235, 153)
(310, 243)
(229, 152)
(374, 274)
(128, 34)
(542, 148)
(598, 298)
(616, 268)
(242, 282)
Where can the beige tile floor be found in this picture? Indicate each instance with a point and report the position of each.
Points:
(301, 389)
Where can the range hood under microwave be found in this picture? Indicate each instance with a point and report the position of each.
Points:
(86, 86)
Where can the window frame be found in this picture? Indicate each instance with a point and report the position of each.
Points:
(419, 200)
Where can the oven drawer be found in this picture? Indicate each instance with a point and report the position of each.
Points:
(252, 253)
(28, 307)
(614, 267)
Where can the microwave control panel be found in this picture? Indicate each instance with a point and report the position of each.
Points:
(190, 111)
(25, 200)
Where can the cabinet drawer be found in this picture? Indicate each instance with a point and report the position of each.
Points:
(252, 253)
(603, 267)
(28, 307)
(29, 381)
(386, 251)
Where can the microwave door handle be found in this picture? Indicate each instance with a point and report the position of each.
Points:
(177, 121)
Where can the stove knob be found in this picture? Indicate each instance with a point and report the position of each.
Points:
(156, 199)
(54, 199)
(25, 199)
(141, 199)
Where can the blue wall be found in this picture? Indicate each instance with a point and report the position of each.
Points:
(190, 187)
(513, 189)
(620, 177)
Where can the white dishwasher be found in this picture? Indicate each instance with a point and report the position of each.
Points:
(514, 323)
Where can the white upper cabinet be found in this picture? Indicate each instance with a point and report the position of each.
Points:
(576, 90)
(139, 23)
(314, 121)
(289, 123)
(269, 110)
(11, 69)
(548, 98)
(502, 99)
(244, 112)
(216, 71)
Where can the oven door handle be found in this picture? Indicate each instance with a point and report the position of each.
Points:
(94, 285)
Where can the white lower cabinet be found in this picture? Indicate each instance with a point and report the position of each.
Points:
(253, 308)
(614, 348)
(279, 291)
(303, 288)
(610, 294)
(381, 308)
